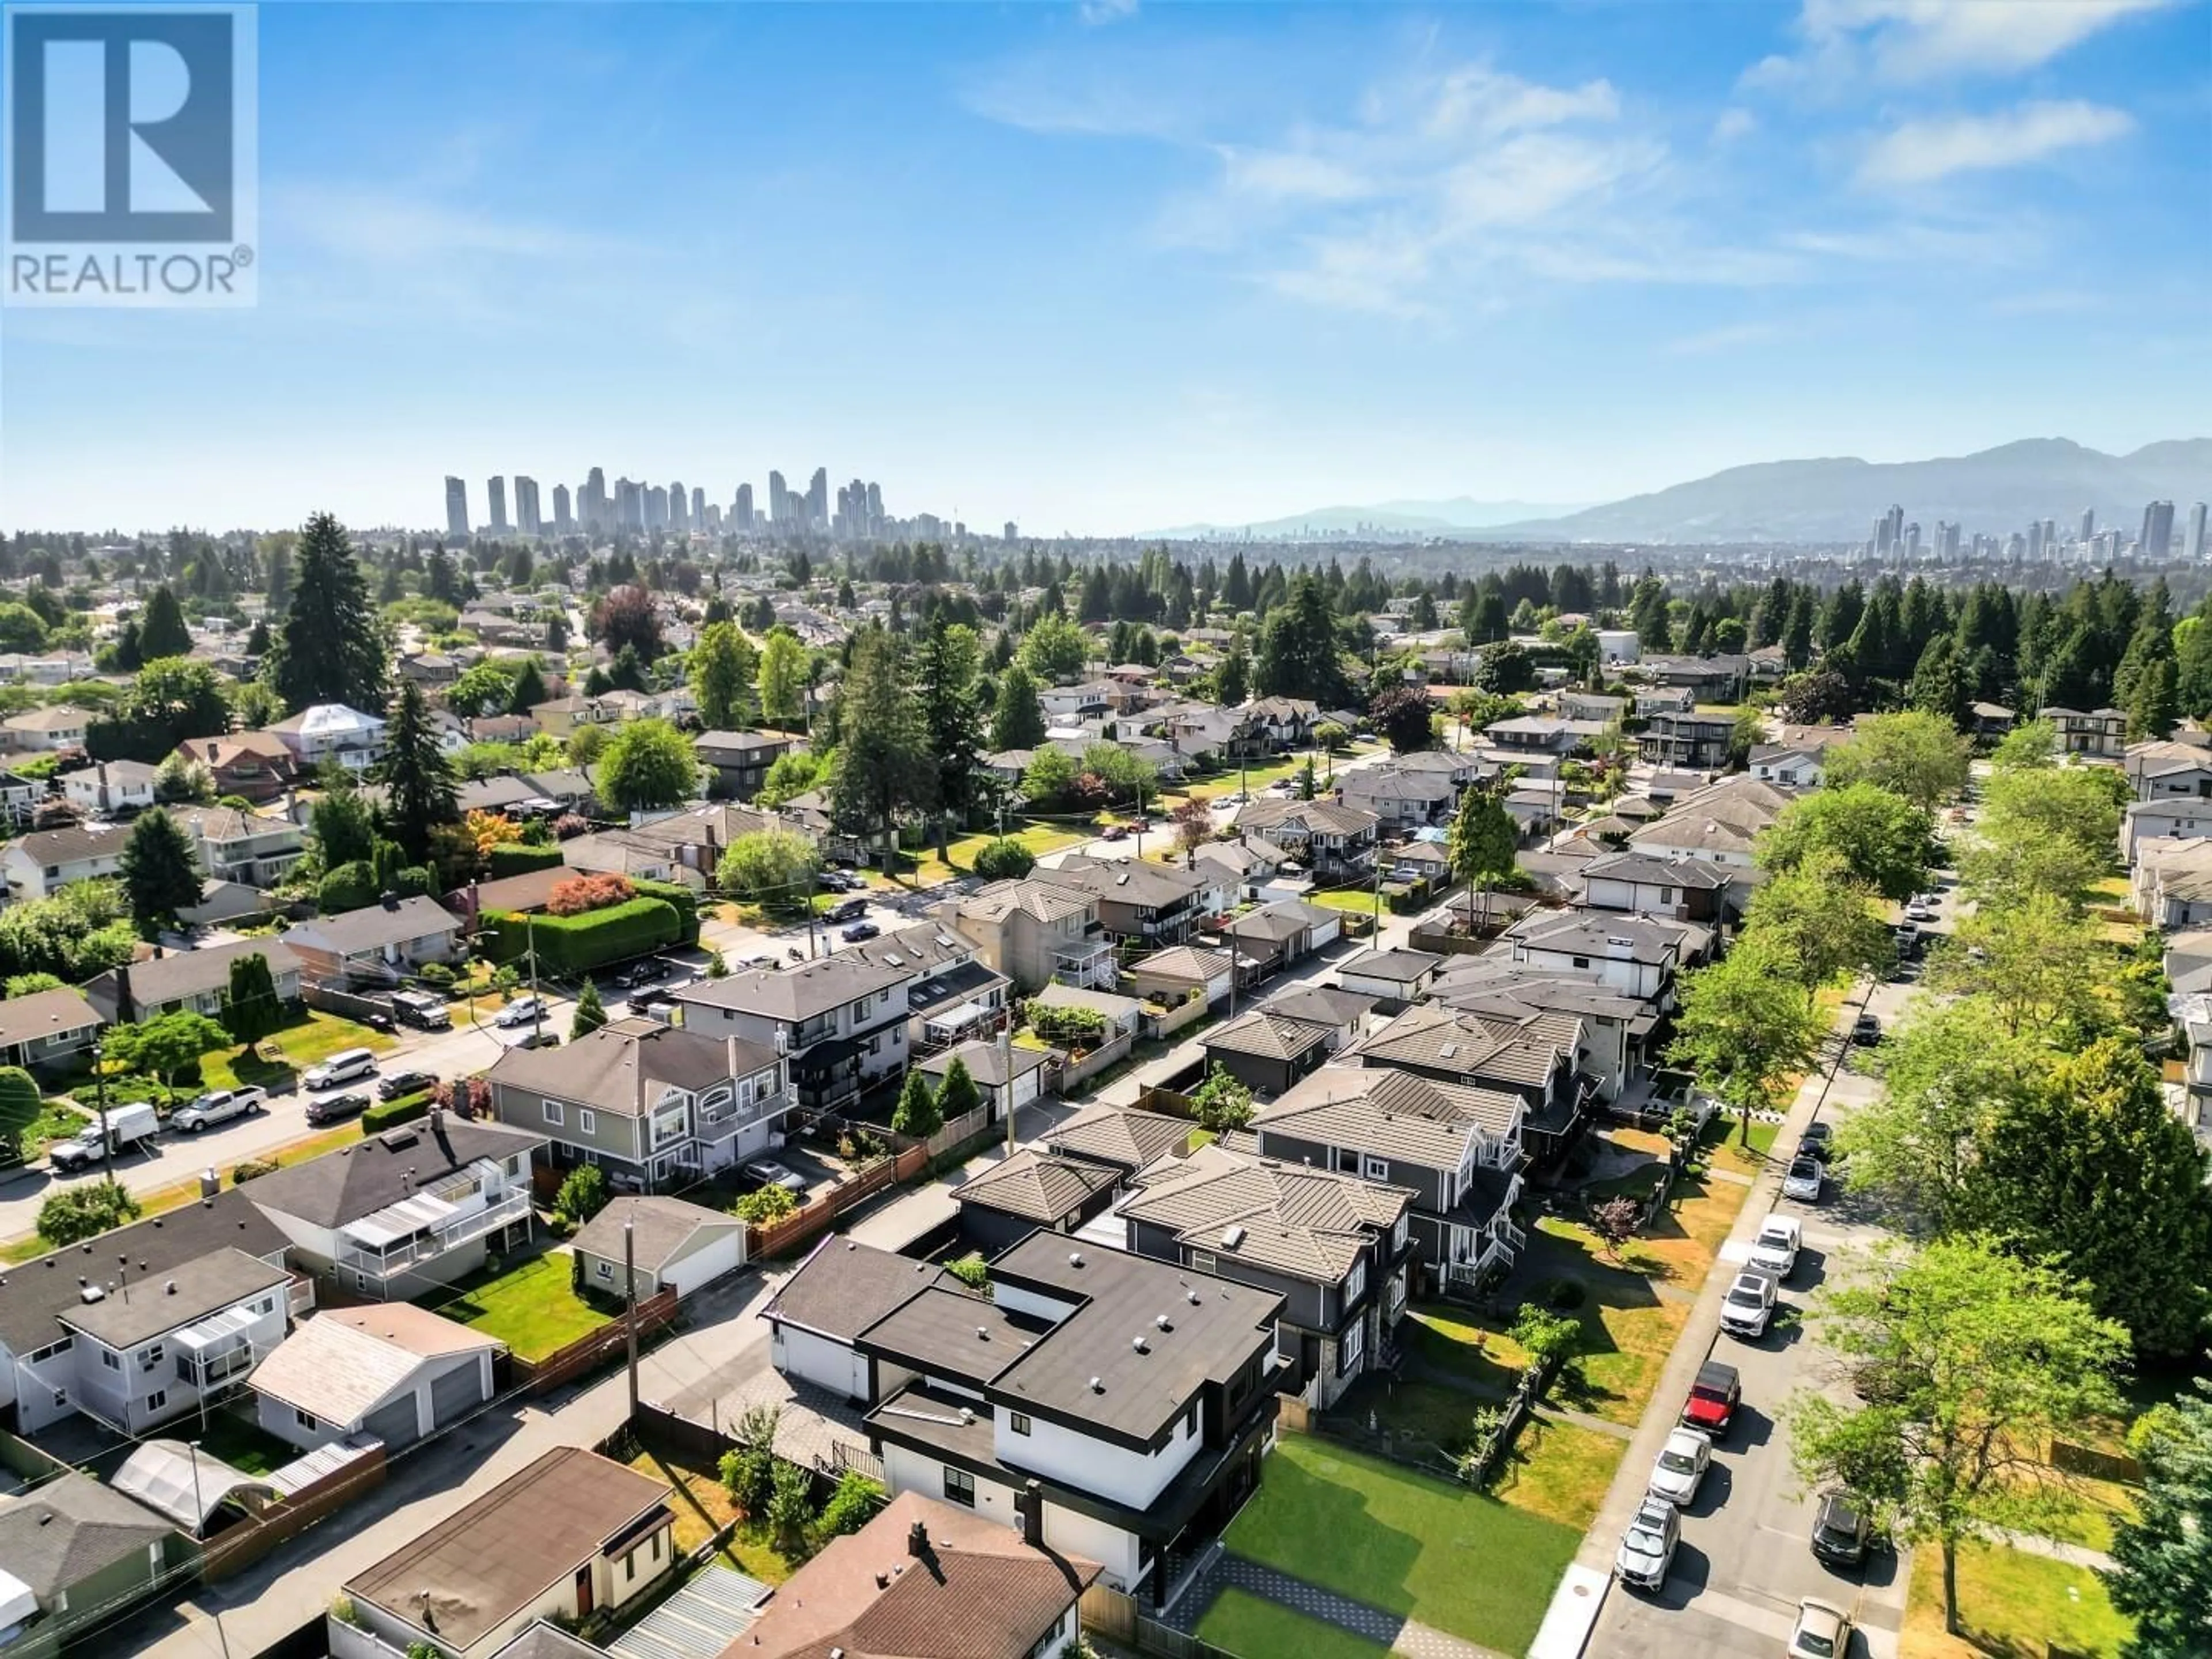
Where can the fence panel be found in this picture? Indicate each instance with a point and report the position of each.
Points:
(2097, 1465)
(538, 1376)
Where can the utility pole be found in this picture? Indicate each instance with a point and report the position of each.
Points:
(629, 1304)
(99, 1082)
(536, 1002)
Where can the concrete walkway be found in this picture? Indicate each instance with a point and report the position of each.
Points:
(2055, 1549)
(1399, 1635)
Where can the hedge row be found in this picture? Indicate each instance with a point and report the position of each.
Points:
(406, 1109)
(686, 900)
(520, 858)
(567, 946)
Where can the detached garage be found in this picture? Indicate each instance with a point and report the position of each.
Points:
(839, 1291)
(682, 1246)
(393, 1371)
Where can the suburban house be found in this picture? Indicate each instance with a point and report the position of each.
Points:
(840, 1289)
(111, 787)
(1335, 841)
(1646, 885)
(926, 1577)
(2158, 771)
(1029, 1190)
(953, 995)
(172, 1308)
(1142, 904)
(194, 981)
(241, 846)
(331, 730)
(1283, 722)
(1700, 742)
(2171, 884)
(77, 1551)
(47, 729)
(2166, 818)
(1248, 866)
(378, 944)
(2100, 734)
(1401, 796)
(1636, 955)
(1456, 1148)
(254, 766)
(42, 863)
(1333, 1246)
(19, 797)
(1340, 1014)
(1125, 1137)
(1008, 1077)
(1125, 1402)
(655, 1106)
(1276, 935)
(1264, 1052)
(1035, 932)
(739, 760)
(391, 1369)
(45, 1028)
(1616, 1028)
(1537, 1055)
(395, 1214)
(671, 1243)
(1709, 679)
(1174, 975)
(840, 1022)
(1790, 765)
(569, 1534)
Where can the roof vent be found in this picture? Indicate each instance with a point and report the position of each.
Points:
(91, 1293)
(1139, 1343)
(169, 1289)
(967, 1414)
(1164, 1322)
(1192, 1297)
(982, 1334)
(1097, 1385)
(1075, 1258)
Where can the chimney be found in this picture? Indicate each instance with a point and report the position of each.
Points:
(1032, 1508)
(126, 1010)
(437, 1118)
(917, 1541)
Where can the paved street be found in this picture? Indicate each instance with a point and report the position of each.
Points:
(1744, 1560)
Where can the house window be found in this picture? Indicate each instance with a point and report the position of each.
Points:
(156, 1400)
(1351, 1345)
(1019, 1422)
(1202, 1260)
(1355, 1282)
(267, 1304)
(112, 1360)
(629, 1567)
(1582, 961)
(960, 1487)
(588, 1121)
(553, 1112)
(150, 1357)
(306, 1420)
(606, 1270)
(1666, 895)
(1190, 1418)
(1374, 1169)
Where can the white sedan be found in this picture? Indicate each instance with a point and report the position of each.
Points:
(1803, 1181)
(524, 1012)
(1681, 1467)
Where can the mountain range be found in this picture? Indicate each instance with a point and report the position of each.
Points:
(1994, 491)
(1459, 513)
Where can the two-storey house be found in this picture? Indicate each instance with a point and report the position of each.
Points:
(1334, 1247)
(110, 788)
(1699, 741)
(1457, 1149)
(1402, 797)
(1143, 905)
(1335, 841)
(254, 766)
(1617, 1028)
(839, 1021)
(2099, 734)
(19, 798)
(739, 760)
(1035, 932)
(1538, 1056)
(954, 994)
(1638, 955)
(331, 730)
(164, 1313)
(40, 865)
(1643, 883)
(1122, 1403)
(241, 846)
(656, 1106)
(398, 1213)
(2164, 771)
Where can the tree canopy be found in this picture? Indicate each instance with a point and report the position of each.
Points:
(647, 766)
(1880, 838)
(332, 647)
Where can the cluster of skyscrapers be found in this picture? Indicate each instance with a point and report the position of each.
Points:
(858, 514)
(1893, 538)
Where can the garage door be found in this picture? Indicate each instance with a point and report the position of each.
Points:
(709, 1262)
(452, 1392)
(394, 1425)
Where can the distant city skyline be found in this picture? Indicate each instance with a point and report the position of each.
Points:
(1099, 269)
(642, 508)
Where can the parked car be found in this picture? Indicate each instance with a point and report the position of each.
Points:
(1908, 939)
(859, 931)
(654, 997)
(127, 1127)
(1919, 910)
(1841, 1530)
(643, 971)
(537, 1040)
(521, 1012)
(395, 1084)
(1713, 1399)
(335, 1108)
(851, 910)
(1681, 1467)
(218, 1106)
(1823, 1631)
(1115, 832)
(1749, 1307)
(1775, 1250)
(1804, 1180)
(422, 1010)
(1818, 1141)
(770, 1173)
(1866, 1030)
(1646, 1548)
(347, 1066)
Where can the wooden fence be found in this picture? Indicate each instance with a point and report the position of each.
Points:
(1114, 1616)
(240, 1546)
(781, 1237)
(956, 1135)
(1079, 1072)
(2097, 1465)
(586, 1352)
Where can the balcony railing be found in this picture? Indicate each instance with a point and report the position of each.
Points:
(406, 1253)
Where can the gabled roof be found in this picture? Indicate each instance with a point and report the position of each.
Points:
(61, 1534)
(1287, 1217)
(1315, 818)
(1389, 1114)
(796, 993)
(373, 926)
(1265, 1035)
(1468, 1045)
(73, 844)
(366, 1175)
(1123, 1137)
(659, 1226)
(1037, 1186)
(985, 1063)
(615, 1068)
(339, 1371)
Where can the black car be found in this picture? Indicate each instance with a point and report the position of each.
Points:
(651, 998)
(643, 971)
(1866, 1030)
(851, 910)
(335, 1108)
(1819, 1141)
(395, 1084)
(1841, 1530)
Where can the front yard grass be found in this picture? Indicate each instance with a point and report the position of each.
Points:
(2011, 1605)
(1038, 837)
(57, 1120)
(1727, 1150)
(529, 1305)
(1559, 1471)
(702, 1507)
(1255, 1628)
(1400, 1541)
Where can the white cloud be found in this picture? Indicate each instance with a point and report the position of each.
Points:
(1291, 175)
(1919, 40)
(1099, 13)
(1733, 123)
(1922, 152)
(1727, 338)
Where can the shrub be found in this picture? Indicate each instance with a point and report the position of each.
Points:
(247, 1169)
(516, 858)
(1082, 1027)
(386, 1114)
(584, 1194)
(1563, 1294)
(593, 891)
(768, 1206)
(572, 946)
(462, 1097)
(791, 1509)
(1548, 1337)
(686, 900)
(970, 1270)
(436, 976)
(1221, 1103)
(349, 887)
(569, 825)
(67, 1217)
(1004, 859)
(1614, 1220)
(850, 1508)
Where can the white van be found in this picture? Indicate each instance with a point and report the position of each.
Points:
(347, 1066)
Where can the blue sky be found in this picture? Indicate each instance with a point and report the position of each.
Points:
(1108, 266)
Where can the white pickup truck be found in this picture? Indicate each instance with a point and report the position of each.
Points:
(127, 1126)
(218, 1106)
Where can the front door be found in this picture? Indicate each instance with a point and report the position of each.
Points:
(583, 1591)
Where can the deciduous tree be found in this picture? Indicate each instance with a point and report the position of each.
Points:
(724, 667)
(1745, 1028)
(1483, 842)
(1919, 756)
(782, 678)
(1881, 838)
(647, 766)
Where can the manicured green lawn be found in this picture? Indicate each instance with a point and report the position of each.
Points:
(530, 1307)
(246, 1448)
(1559, 1471)
(1359, 900)
(2009, 1603)
(1039, 838)
(1397, 1540)
(1255, 1628)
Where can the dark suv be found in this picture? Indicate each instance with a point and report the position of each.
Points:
(1841, 1531)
